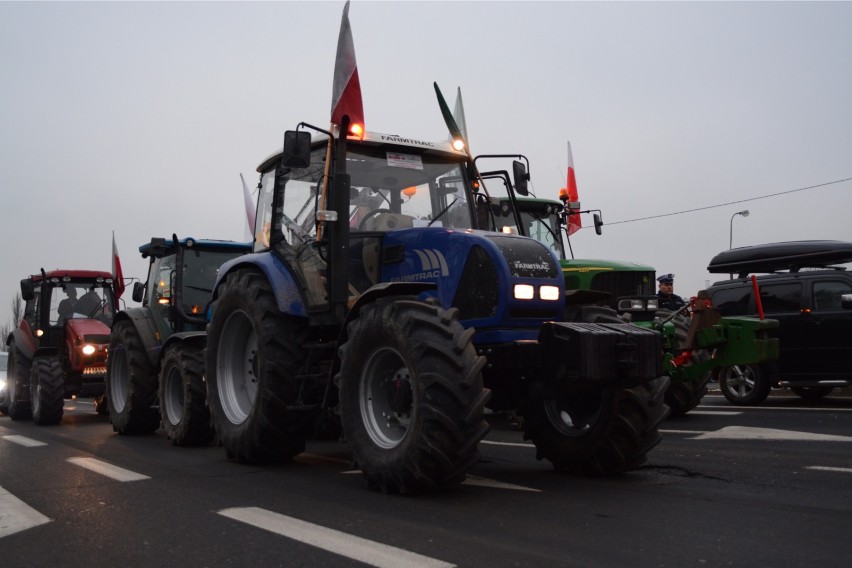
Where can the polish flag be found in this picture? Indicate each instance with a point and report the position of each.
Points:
(574, 220)
(346, 91)
(250, 209)
(117, 274)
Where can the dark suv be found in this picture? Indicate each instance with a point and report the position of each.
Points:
(810, 298)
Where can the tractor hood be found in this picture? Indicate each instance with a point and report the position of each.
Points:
(87, 331)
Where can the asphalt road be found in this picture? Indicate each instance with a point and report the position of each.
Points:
(728, 486)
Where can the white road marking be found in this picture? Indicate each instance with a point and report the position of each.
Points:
(109, 470)
(17, 516)
(746, 433)
(483, 482)
(694, 432)
(24, 441)
(715, 412)
(828, 468)
(351, 546)
(514, 444)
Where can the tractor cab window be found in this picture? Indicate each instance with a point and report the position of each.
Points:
(400, 190)
(199, 274)
(80, 300)
(539, 221)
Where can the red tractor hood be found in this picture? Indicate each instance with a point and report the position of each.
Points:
(87, 331)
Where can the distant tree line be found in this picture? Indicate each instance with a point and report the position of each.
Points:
(17, 311)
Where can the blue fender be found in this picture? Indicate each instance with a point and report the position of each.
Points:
(146, 329)
(195, 338)
(288, 294)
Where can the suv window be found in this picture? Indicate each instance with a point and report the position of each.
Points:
(732, 301)
(781, 298)
(827, 295)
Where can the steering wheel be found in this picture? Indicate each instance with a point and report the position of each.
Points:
(370, 215)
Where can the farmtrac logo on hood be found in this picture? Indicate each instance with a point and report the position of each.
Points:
(433, 264)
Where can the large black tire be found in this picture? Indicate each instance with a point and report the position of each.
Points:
(744, 385)
(183, 396)
(17, 385)
(47, 390)
(812, 393)
(254, 353)
(683, 396)
(598, 432)
(131, 383)
(412, 401)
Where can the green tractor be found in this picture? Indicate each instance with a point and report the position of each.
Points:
(155, 368)
(696, 348)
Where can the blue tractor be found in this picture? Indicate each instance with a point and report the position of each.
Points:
(155, 366)
(381, 293)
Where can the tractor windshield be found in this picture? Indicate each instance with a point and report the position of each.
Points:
(391, 188)
(81, 299)
(199, 274)
(539, 218)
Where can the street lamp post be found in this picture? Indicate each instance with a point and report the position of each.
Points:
(744, 213)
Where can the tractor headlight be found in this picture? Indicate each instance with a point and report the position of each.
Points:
(524, 292)
(88, 349)
(653, 304)
(631, 305)
(549, 292)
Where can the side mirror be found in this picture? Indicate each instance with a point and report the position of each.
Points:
(138, 291)
(598, 223)
(27, 290)
(519, 171)
(297, 149)
(846, 301)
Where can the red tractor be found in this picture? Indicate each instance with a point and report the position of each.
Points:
(59, 348)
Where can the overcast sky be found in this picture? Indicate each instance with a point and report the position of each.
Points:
(139, 117)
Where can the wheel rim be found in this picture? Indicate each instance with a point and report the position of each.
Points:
(173, 396)
(576, 415)
(739, 380)
(119, 379)
(237, 367)
(386, 398)
(35, 391)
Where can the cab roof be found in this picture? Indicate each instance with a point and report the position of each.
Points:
(73, 274)
(374, 139)
(159, 247)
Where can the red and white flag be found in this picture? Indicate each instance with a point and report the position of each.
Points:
(346, 91)
(117, 274)
(250, 209)
(574, 220)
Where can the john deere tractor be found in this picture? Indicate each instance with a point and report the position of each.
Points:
(155, 369)
(379, 291)
(696, 342)
(59, 348)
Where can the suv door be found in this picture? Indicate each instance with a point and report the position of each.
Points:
(829, 329)
(782, 301)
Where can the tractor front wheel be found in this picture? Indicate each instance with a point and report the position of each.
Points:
(684, 394)
(17, 405)
(254, 354)
(411, 395)
(598, 432)
(131, 383)
(47, 390)
(183, 396)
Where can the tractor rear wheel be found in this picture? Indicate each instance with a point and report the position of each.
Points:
(131, 383)
(183, 396)
(254, 354)
(599, 432)
(684, 395)
(18, 407)
(47, 390)
(744, 384)
(411, 396)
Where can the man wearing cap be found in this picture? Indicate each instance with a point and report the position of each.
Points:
(666, 298)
